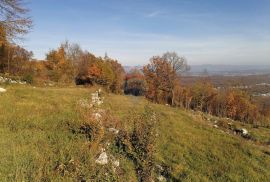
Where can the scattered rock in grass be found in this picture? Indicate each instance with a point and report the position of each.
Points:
(244, 131)
(113, 130)
(2, 90)
(116, 163)
(8, 80)
(97, 116)
(84, 103)
(216, 126)
(161, 178)
(102, 159)
(241, 131)
(96, 99)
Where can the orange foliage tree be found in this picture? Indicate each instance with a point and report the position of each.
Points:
(135, 83)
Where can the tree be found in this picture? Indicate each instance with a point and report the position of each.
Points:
(102, 71)
(203, 93)
(163, 77)
(119, 75)
(13, 23)
(13, 59)
(179, 64)
(73, 52)
(161, 80)
(14, 20)
(135, 83)
(60, 69)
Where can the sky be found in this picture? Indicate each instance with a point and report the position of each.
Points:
(234, 32)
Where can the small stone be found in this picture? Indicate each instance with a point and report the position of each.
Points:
(113, 130)
(161, 178)
(2, 90)
(97, 116)
(102, 159)
(159, 167)
(116, 163)
(244, 131)
(216, 126)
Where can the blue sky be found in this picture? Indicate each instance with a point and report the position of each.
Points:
(132, 31)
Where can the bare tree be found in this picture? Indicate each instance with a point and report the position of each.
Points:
(14, 19)
(179, 64)
(73, 52)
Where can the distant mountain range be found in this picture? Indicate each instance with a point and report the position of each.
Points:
(221, 69)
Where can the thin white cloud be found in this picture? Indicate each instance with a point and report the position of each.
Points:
(153, 14)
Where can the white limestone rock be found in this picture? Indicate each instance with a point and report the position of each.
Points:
(244, 131)
(102, 159)
(116, 163)
(2, 90)
(161, 178)
(113, 130)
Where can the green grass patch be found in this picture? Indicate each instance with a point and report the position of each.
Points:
(35, 139)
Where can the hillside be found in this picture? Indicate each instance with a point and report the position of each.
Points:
(38, 141)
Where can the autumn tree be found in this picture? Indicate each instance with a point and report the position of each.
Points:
(202, 94)
(19, 58)
(73, 54)
(60, 69)
(240, 107)
(135, 83)
(119, 76)
(13, 59)
(14, 19)
(163, 77)
(14, 22)
(183, 97)
(160, 78)
(106, 72)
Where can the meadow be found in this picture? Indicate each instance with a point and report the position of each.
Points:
(38, 144)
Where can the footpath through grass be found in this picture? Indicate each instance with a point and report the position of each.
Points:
(34, 138)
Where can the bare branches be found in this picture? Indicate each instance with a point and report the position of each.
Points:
(14, 19)
(179, 64)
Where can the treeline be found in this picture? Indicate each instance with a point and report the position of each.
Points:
(159, 81)
(69, 63)
(162, 78)
(64, 65)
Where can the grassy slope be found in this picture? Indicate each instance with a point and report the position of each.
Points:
(34, 136)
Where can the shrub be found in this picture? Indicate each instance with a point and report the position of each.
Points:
(139, 144)
(28, 78)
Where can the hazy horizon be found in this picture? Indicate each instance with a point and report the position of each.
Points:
(204, 31)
